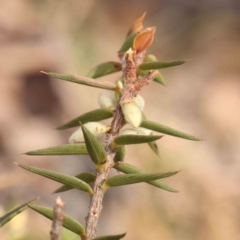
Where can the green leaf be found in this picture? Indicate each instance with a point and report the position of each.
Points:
(105, 69)
(10, 215)
(129, 169)
(167, 130)
(119, 155)
(159, 79)
(135, 139)
(111, 237)
(128, 43)
(87, 177)
(59, 177)
(68, 222)
(127, 179)
(67, 149)
(93, 116)
(94, 147)
(83, 80)
(159, 65)
(154, 147)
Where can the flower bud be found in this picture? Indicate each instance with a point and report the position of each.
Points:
(96, 128)
(106, 100)
(119, 84)
(128, 131)
(139, 100)
(132, 112)
(143, 131)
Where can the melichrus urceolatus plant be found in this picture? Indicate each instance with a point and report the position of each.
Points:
(123, 104)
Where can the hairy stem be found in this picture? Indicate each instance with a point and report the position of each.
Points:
(130, 89)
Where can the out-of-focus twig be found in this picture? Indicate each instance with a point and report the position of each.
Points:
(57, 219)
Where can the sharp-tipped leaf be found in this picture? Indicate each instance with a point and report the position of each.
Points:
(119, 155)
(93, 116)
(127, 179)
(105, 69)
(159, 79)
(66, 149)
(129, 169)
(59, 177)
(83, 80)
(137, 25)
(167, 130)
(128, 43)
(135, 139)
(94, 147)
(10, 215)
(154, 147)
(68, 222)
(159, 65)
(111, 237)
(87, 177)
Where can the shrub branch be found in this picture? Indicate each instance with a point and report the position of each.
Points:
(131, 86)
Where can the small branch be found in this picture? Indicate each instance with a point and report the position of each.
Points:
(57, 219)
(130, 89)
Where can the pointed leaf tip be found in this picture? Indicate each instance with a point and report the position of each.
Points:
(68, 222)
(66, 149)
(127, 179)
(105, 69)
(135, 139)
(94, 147)
(137, 25)
(10, 215)
(59, 177)
(83, 80)
(130, 169)
(160, 65)
(92, 116)
(167, 130)
(87, 177)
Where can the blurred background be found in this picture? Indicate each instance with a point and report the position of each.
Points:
(202, 98)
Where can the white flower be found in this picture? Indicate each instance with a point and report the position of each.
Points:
(106, 100)
(128, 131)
(143, 131)
(139, 100)
(96, 128)
(119, 84)
(132, 113)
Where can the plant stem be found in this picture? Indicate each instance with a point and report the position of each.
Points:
(130, 89)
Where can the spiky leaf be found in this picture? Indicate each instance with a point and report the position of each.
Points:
(105, 69)
(94, 147)
(154, 147)
(129, 169)
(137, 25)
(135, 139)
(127, 179)
(68, 222)
(87, 177)
(93, 116)
(119, 155)
(82, 80)
(128, 43)
(59, 177)
(10, 215)
(159, 65)
(167, 130)
(111, 237)
(66, 149)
